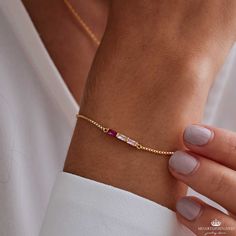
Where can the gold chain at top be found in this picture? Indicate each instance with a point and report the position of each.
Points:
(82, 22)
(125, 138)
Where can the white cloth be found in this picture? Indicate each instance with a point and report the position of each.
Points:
(36, 124)
(84, 207)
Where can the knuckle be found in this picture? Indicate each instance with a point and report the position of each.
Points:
(219, 184)
(230, 146)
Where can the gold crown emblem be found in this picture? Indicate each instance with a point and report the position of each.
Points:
(215, 222)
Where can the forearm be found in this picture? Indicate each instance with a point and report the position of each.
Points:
(143, 88)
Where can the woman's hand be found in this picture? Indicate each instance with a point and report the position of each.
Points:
(209, 167)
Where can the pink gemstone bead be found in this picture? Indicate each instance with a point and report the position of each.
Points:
(112, 132)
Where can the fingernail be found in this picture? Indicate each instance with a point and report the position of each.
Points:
(188, 208)
(183, 163)
(197, 135)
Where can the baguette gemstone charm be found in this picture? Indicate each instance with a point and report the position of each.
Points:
(122, 137)
(125, 138)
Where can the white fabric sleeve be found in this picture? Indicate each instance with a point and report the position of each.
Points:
(84, 207)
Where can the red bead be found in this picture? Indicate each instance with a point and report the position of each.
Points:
(112, 132)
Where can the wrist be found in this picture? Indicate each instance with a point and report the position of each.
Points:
(155, 121)
(97, 156)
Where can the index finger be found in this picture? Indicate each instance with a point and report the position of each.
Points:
(214, 143)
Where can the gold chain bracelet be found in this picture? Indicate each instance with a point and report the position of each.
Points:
(124, 138)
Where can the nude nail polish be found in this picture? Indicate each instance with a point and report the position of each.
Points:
(183, 163)
(188, 208)
(197, 135)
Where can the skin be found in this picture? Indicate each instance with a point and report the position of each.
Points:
(149, 80)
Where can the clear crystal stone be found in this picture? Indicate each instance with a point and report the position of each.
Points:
(132, 142)
(121, 137)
